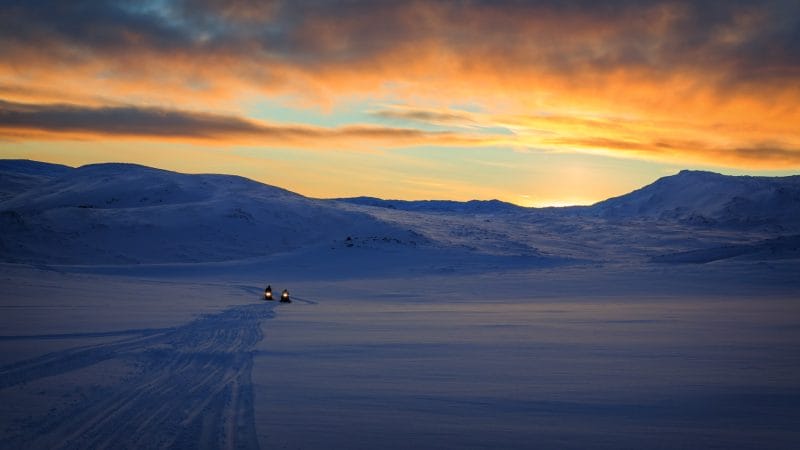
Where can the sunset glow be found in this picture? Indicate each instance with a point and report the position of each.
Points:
(536, 103)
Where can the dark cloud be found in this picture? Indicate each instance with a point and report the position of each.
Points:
(89, 27)
(130, 121)
(768, 153)
(739, 41)
(123, 120)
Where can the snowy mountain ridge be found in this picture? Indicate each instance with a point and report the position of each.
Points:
(705, 198)
(132, 214)
(445, 206)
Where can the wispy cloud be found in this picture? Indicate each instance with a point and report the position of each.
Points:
(759, 155)
(428, 116)
(621, 137)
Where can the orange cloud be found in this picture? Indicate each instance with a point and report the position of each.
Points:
(65, 121)
(673, 140)
(707, 82)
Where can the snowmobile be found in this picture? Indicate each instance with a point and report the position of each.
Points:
(268, 293)
(285, 297)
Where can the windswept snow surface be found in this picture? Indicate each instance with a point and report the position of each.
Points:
(132, 316)
(574, 357)
(465, 363)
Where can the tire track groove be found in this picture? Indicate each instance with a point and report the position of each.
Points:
(192, 388)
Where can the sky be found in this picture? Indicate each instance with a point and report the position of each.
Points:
(539, 103)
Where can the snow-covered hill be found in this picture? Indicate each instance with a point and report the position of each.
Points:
(18, 176)
(707, 198)
(123, 213)
(129, 214)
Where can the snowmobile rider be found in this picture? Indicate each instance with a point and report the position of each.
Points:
(285, 296)
(268, 293)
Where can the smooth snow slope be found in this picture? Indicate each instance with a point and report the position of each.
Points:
(18, 176)
(123, 213)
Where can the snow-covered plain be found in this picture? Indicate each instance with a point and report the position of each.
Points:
(132, 316)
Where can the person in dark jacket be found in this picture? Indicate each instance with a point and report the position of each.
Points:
(268, 293)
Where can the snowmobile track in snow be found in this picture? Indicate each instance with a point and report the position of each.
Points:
(190, 388)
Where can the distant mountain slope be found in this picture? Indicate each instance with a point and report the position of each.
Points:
(124, 213)
(20, 175)
(470, 207)
(116, 186)
(129, 214)
(710, 198)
